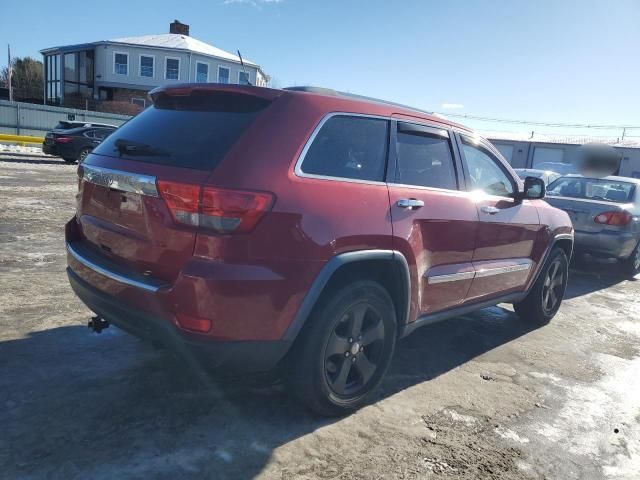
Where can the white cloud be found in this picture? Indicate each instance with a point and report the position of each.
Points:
(452, 106)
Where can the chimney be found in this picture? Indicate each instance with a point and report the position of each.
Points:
(179, 28)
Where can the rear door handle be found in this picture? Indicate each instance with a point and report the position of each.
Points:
(490, 210)
(411, 203)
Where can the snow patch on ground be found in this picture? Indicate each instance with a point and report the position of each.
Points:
(5, 148)
(511, 435)
(587, 422)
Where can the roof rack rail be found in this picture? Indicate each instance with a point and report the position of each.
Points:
(336, 93)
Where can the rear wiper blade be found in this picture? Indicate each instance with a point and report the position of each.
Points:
(136, 148)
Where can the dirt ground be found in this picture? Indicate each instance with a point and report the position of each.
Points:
(482, 396)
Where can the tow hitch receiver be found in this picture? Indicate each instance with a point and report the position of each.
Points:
(97, 324)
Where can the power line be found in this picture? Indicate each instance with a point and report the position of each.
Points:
(538, 123)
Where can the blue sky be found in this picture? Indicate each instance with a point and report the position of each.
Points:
(572, 61)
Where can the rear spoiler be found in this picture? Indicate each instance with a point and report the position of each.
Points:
(185, 89)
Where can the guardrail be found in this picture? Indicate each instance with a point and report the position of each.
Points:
(20, 139)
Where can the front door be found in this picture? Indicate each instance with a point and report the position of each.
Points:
(507, 229)
(434, 222)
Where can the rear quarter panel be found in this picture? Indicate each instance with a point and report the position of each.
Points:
(311, 221)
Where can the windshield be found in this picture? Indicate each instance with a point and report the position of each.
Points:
(592, 189)
(194, 131)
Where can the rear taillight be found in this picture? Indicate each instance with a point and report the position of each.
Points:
(62, 139)
(221, 210)
(613, 218)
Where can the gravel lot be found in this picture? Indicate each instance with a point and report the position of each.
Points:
(480, 396)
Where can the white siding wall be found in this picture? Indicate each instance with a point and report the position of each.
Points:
(104, 65)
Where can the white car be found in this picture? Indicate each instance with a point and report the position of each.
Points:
(546, 175)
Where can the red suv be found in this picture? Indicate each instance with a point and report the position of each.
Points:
(306, 229)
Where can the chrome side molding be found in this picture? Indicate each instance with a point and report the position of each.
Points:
(488, 272)
(482, 272)
(120, 180)
(450, 277)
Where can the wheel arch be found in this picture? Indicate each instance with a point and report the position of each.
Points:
(387, 267)
(562, 240)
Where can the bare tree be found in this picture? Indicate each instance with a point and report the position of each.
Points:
(27, 79)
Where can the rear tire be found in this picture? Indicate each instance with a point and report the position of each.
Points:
(632, 264)
(345, 349)
(545, 297)
(83, 154)
(69, 160)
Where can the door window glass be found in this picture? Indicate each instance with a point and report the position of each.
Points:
(505, 150)
(425, 160)
(484, 171)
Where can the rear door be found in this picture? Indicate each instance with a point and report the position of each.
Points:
(434, 222)
(507, 228)
(180, 139)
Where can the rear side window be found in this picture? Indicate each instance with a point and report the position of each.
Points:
(425, 160)
(193, 131)
(349, 147)
(592, 189)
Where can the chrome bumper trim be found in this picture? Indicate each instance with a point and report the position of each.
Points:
(149, 287)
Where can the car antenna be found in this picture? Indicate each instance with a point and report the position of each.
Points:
(244, 69)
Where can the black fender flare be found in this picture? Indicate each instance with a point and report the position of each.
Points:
(394, 257)
(554, 241)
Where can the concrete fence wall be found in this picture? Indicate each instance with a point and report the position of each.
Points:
(19, 118)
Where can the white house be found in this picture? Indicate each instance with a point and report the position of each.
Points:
(125, 69)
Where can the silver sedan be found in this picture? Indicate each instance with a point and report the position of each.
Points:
(605, 213)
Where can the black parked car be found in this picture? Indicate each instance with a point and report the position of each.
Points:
(74, 144)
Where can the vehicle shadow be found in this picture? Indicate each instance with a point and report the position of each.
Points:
(590, 274)
(80, 405)
(32, 160)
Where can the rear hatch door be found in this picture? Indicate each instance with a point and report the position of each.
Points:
(182, 138)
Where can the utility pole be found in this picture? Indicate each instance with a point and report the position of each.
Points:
(10, 68)
(624, 131)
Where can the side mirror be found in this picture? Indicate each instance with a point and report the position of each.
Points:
(534, 189)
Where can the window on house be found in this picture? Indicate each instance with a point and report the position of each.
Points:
(223, 75)
(146, 66)
(172, 70)
(139, 101)
(202, 72)
(243, 78)
(349, 147)
(121, 66)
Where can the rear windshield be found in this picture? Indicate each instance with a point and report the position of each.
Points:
(194, 131)
(592, 189)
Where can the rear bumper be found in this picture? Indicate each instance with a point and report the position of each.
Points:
(606, 243)
(59, 150)
(243, 356)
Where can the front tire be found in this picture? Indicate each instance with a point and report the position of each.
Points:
(345, 349)
(69, 160)
(545, 297)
